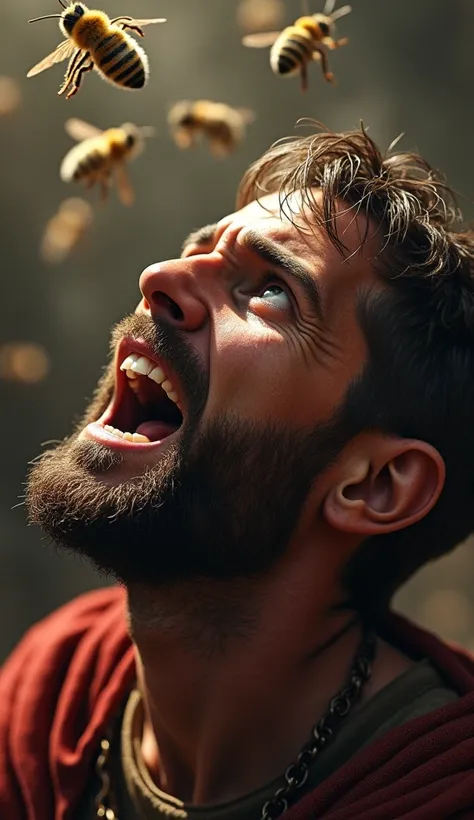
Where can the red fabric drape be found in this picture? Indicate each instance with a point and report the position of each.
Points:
(68, 676)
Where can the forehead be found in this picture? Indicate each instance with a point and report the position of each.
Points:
(269, 215)
(293, 224)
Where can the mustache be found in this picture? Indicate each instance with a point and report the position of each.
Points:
(166, 342)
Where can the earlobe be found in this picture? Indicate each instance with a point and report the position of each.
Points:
(385, 487)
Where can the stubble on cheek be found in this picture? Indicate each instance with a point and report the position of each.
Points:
(100, 400)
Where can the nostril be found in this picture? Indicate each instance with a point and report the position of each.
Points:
(161, 300)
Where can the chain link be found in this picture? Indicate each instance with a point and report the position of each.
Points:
(104, 802)
(297, 773)
(323, 732)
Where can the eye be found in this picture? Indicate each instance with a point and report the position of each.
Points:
(324, 28)
(277, 295)
(272, 296)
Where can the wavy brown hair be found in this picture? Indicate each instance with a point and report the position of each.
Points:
(418, 381)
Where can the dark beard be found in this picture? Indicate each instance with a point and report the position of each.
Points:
(222, 503)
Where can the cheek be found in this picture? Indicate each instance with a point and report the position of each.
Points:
(258, 377)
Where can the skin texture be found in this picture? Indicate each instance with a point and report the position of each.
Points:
(253, 641)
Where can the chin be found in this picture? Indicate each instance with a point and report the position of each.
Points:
(126, 490)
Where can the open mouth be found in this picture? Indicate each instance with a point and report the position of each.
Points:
(147, 407)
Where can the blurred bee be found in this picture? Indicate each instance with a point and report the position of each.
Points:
(10, 96)
(223, 125)
(307, 39)
(65, 229)
(24, 362)
(96, 41)
(102, 154)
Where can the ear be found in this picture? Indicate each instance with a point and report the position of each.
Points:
(385, 484)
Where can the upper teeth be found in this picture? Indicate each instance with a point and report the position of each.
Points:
(135, 365)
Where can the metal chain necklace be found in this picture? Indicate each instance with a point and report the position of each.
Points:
(105, 800)
(324, 730)
(297, 773)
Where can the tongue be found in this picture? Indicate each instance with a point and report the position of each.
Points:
(156, 430)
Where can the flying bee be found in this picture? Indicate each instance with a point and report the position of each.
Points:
(24, 362)
(102, 155)
(65, 230)
(296, 46)
(10, 96)
(93, 40)
(223, 125)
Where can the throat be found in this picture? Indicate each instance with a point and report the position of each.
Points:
(203, 616)
(211, 636)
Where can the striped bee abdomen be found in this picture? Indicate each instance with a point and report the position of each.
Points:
(290, 51)
(91, 162)
(117, 57)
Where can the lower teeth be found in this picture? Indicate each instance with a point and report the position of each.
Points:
(136, 437)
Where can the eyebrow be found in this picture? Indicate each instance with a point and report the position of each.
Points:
(271, 252)
(203, 236)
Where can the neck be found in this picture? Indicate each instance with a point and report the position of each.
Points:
(234, 675)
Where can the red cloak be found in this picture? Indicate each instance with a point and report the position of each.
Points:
(70, 673)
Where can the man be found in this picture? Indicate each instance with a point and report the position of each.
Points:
(283, 436)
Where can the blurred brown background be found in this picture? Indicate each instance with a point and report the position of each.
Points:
(408, 67)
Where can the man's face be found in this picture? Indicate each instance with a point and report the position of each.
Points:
(254, 332)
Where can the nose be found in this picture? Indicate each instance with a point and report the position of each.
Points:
(171, 291)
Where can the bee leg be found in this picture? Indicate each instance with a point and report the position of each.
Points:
(101, 178)
(70, 71)
(184, 138)
(332, 44)
(217, 148)
(134, 28)
(104, 188)
(82, 68)
(125, 191)
(304, 77)
(320, 51)
(123, 22)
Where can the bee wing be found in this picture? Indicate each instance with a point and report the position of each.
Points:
(262, 39)
(148, 21)
(329, 7)
(148, 131)
(63, 51)
(247, 114)
(125, 191)
(80, 130)
(341, 12)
